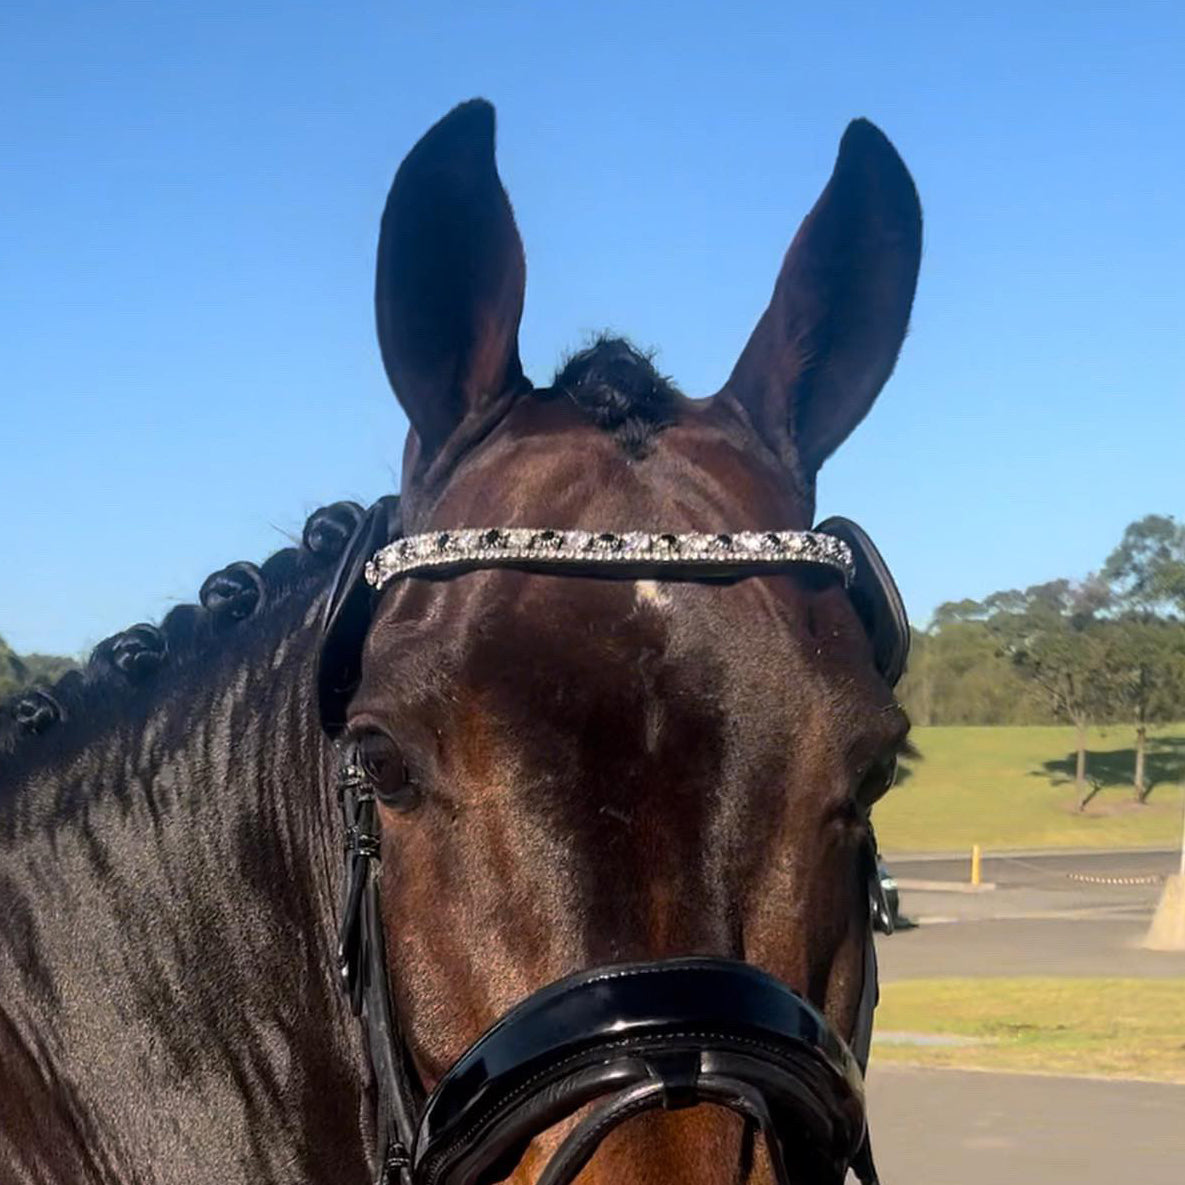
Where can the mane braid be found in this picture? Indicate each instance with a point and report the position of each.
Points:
(137, 665)
(618, 386)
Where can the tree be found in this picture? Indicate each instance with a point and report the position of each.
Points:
(17, 671)
(951, 611)
(46, 668)
(1146, 572)
(12, 671)
(1146, 660)
(1052, 635)
(957, 674)
(1146, 578)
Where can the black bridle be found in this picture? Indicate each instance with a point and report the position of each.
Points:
(618, 1040)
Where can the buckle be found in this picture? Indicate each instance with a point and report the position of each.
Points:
(396, 1161)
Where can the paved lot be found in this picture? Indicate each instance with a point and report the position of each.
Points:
(1071, 946)
(1053, 946)
(947, 1127)
(1066, 914)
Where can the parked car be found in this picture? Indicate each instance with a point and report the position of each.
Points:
(884, 904)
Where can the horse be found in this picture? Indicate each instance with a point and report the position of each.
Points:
(599, 720)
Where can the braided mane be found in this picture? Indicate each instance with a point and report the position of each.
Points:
(229, 601)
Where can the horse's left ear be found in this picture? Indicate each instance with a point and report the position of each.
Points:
(830, 337)
(450, 278)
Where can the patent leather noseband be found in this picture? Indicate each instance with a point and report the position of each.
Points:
(637, 1037)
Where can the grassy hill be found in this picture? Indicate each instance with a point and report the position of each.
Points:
(1013, 787)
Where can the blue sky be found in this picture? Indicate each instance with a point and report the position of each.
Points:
(189, 199)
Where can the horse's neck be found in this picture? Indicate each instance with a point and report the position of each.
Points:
(167, 991)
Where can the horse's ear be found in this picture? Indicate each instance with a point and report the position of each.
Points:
(830, 337)
(451, 275)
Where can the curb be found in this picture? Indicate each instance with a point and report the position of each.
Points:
(915, 886)
(1021, 853)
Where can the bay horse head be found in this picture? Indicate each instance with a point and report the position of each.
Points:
(574, 772)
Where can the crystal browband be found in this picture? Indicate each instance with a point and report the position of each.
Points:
(736, 554)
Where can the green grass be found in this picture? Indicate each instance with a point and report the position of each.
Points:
(1124, 1028)
(1012, 787)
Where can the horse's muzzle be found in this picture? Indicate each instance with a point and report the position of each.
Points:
(626, 1039)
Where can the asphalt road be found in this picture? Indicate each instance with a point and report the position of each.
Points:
(1075, 913)
(949, 1127)
(1073, 946)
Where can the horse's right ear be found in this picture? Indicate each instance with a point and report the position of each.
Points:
(451, 277)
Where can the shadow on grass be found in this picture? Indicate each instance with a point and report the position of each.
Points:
(1164, 762)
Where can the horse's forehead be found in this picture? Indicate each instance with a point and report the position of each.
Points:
(504, 638)
(547, 465)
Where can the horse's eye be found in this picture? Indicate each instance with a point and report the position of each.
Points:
(877, 781)
(394, 784)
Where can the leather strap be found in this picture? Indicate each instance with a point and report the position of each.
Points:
(876, 598)
(362, 966)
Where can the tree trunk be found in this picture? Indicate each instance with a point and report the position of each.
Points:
(1138, 784)
(1080, 768)
(927, 696)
